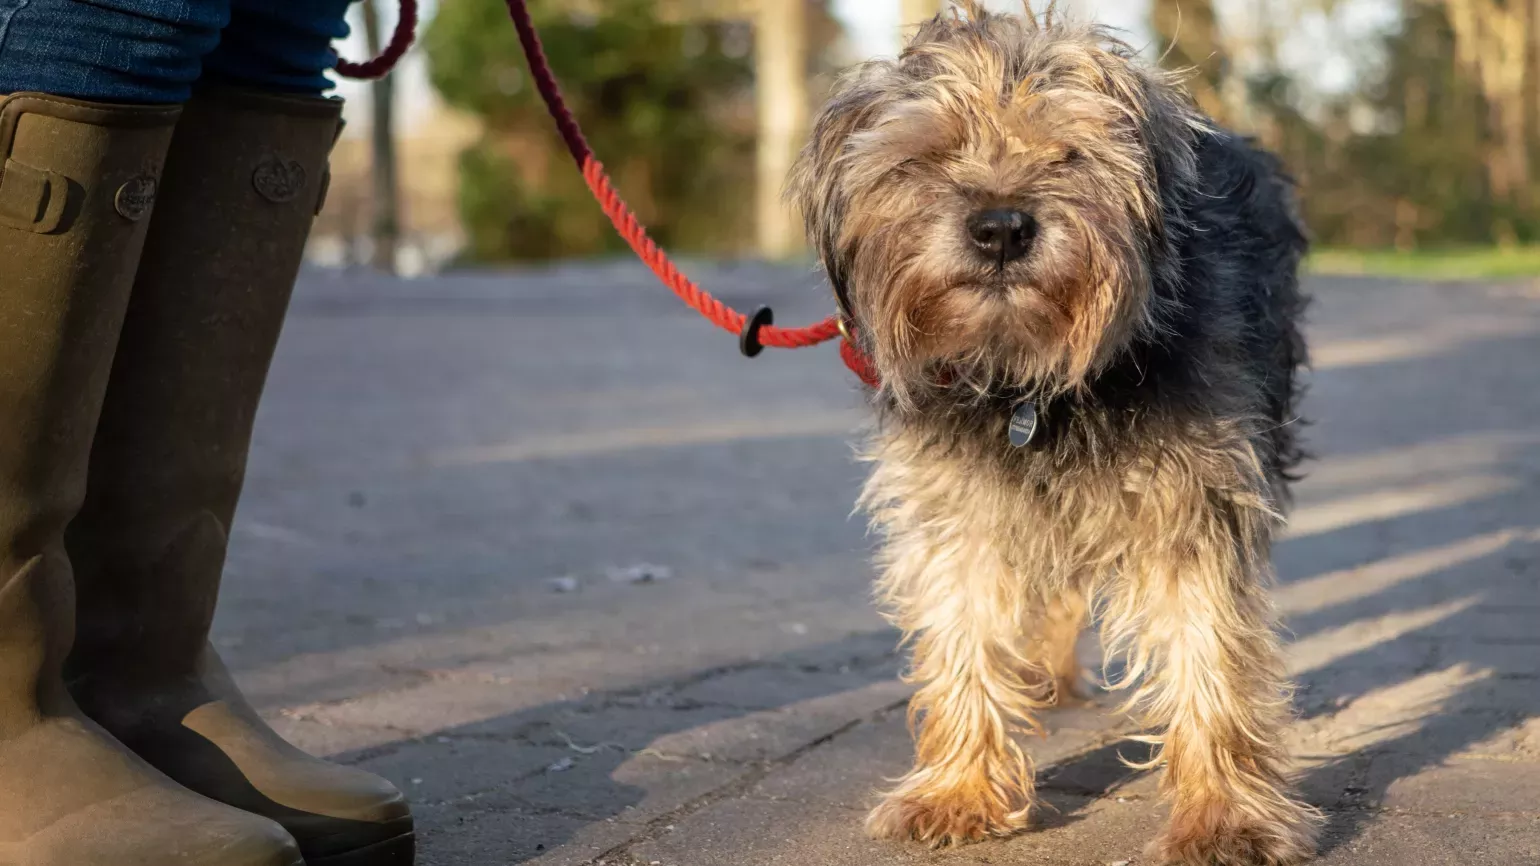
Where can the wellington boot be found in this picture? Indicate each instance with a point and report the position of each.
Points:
(77, 187)
(244, 179)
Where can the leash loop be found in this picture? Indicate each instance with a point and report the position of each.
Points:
(748, 341)
(400, 40)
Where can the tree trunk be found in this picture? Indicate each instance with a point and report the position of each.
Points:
(781, 82)
(385, 230)
(1188, 37)
(1493, 40)
(914, 12)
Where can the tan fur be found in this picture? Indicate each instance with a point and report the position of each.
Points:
(994, 559)
(1073, 135)
(1174, 550)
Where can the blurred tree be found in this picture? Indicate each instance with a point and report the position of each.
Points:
(385, 223)
(1492, 42)
(666, 104)
(1399, 160)
(649, 94)
(1426, 161)
(913, 12)
(1434, 142)
(1188, 37)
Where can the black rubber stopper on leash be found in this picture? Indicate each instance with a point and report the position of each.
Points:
(748, 341)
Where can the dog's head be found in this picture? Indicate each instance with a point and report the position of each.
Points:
(998, 200)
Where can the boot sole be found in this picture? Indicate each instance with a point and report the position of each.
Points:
(398, 851)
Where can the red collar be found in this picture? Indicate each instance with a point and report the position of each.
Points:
(858, 363)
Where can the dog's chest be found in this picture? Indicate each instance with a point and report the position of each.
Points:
(1042, 507)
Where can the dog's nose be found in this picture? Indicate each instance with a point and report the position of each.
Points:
(1002, 234)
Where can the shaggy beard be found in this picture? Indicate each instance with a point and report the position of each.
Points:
(946, 328)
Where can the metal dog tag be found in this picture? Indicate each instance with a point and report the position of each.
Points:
(1023, 423)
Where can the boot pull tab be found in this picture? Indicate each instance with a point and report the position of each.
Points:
(32, 199)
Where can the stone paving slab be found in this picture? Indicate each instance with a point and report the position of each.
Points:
(433, 453)
(1434, 840)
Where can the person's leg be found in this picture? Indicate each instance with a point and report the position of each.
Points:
(78, 182)
(280, 46)
(127, 51)
(244, 180)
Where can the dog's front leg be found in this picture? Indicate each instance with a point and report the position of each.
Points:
(961, 605)
(1194, 615)
(1052, 645)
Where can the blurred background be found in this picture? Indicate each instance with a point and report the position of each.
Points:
(1413, 125)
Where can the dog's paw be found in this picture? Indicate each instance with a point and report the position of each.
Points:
(941, 821)
(1219, 837)
(1067, 692)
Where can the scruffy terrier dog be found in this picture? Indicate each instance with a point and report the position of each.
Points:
(1080, 297)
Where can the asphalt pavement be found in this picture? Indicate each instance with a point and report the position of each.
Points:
(544, 550)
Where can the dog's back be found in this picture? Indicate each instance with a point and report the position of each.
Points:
(1241, 257)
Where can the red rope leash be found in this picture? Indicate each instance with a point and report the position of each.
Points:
(400, 40)
(620, 215)
(625, 222)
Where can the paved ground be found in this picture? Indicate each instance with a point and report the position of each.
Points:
(433, 454)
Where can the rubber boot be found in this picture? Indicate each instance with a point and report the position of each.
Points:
(244, 179)
(77, 186)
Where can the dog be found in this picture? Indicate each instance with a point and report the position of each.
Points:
(1080, 298)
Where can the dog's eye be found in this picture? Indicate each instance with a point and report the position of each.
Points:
(1070, 157)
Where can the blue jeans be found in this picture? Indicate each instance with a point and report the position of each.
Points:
(154, 51)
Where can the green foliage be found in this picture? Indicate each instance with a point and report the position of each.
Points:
(1476, 263)
(658, 102)
(506, 217)
(1400, 161)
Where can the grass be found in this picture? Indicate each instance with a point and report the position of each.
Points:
(1478, 263)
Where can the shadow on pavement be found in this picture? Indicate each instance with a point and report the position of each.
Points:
(1411, 586)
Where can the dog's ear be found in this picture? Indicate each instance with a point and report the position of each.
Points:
(816, 185)
(1165, 121)
(1171, 126)
(836, 261)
